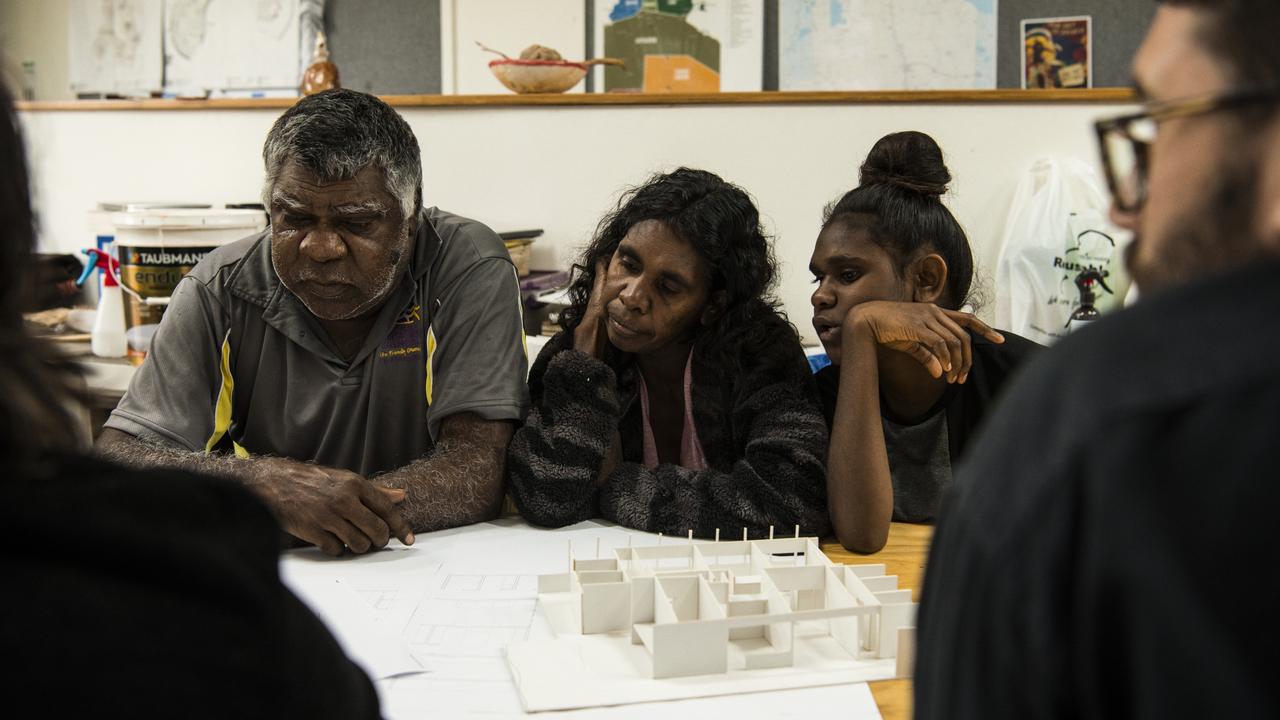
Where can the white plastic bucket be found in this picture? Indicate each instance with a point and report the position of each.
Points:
(156, 248)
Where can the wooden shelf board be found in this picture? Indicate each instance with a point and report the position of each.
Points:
(960, 97)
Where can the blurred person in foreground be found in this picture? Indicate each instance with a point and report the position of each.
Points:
(1107, 549)
(159, 593)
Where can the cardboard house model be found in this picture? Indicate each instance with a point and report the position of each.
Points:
(687, 604)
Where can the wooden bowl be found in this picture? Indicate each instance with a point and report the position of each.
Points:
(538, 76)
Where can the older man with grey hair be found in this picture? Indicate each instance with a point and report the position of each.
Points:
(359, 364)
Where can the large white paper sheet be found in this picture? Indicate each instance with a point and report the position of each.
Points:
(231, 44)
(587, 671)
(115, 46)
(458, 598)
(381, 653)
(422, 696)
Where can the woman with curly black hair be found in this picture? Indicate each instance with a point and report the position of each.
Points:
(676, 397)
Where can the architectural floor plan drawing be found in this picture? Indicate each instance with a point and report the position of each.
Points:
(709, 618)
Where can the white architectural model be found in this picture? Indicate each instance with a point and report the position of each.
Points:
(712, 608)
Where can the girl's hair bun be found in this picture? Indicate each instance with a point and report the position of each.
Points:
(909, 160)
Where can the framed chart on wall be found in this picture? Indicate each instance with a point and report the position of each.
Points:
(680, 46)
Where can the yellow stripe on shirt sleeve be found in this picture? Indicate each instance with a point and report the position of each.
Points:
(524, 339)
(431, 352)
(222, 410)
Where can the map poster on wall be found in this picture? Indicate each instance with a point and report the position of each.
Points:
(1057, 53)
(886, 44)
(680, 46)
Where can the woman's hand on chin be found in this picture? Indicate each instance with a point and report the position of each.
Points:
(591, 335)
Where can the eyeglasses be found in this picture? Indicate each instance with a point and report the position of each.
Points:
(1125, 142)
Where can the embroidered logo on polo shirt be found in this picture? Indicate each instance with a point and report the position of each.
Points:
(405, 338)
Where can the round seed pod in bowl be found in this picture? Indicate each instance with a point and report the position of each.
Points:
(540, 52)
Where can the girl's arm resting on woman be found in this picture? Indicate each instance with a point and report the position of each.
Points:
(777, 480)
(554, 460)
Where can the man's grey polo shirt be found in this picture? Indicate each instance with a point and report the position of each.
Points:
(239, 364)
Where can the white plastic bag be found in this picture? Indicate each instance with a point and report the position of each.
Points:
(1056, 228)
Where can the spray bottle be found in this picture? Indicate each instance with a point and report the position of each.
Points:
(1086, 312)
(107, 339)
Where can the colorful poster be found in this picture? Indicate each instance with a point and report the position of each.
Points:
(1057, 53)
(680, 46)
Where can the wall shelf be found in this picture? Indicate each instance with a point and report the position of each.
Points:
(877, 97)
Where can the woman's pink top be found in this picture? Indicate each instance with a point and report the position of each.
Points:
(690, 447)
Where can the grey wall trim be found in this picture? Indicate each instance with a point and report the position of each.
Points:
(770, 78)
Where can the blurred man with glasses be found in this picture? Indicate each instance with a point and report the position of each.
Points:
(1109, 548)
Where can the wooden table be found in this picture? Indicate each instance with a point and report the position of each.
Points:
(904, 555)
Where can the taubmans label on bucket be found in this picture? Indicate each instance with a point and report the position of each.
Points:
(151, 272)
(163, 258)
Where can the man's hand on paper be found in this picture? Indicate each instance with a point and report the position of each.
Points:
(330, 508)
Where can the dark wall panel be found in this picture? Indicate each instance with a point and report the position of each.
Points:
(388, 47)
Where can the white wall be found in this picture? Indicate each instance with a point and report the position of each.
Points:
(36, 31)
(510, 28)
(561, 168)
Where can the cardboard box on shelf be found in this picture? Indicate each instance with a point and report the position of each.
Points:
(519, 252)
(519, 244)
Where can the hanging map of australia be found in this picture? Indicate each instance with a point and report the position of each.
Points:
(886, 44)
(681, 46)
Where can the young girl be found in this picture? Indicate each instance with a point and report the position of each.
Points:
(676, 398)
(908, 384)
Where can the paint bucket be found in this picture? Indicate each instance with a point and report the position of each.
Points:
(157, 248)
(104, 233)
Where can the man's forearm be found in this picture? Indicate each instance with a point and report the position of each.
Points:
(129, 451)
(461, 481)
(328, 507)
